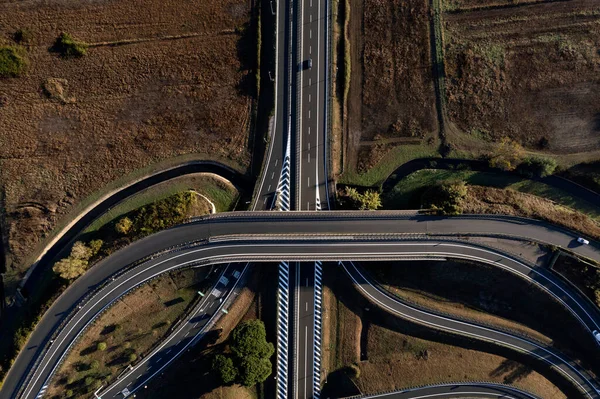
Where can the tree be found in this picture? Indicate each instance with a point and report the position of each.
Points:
(101, 346)
(370, 200)
(80, 251)
(250, 339)
(254, 370)
(223, 366)
(66, 46)
(124, 226)
(536, 167)
(69, 268)
(446, 197)
(95, 246)
(506, 155)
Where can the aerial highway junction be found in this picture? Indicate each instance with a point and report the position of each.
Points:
(339, 236)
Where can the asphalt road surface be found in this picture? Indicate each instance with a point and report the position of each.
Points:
(184, 336)
(443, 391)
(311, 174)
(290, 235)
(580, 378)
(303, 324)
(280, 133)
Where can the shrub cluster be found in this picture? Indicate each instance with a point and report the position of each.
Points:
(66, 46)
(76, 263)
(248, 363)
(12, 62)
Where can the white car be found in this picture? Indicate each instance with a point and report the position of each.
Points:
(597, 336)
(583, 241)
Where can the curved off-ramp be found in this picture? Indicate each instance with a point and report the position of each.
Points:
(266, 236)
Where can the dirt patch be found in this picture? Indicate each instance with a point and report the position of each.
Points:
(160, 79)
(528, 72)
(392, 98)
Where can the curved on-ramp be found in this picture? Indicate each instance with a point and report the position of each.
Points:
(456, 390)
(267, 236)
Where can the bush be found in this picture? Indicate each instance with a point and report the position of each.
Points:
(95, 246)
(370, 200)
(70, 269)
(89, 381)
(506, 155)
(536, 167)
(224, 367)
(23, 36)
(80, 251)
(124, 226)
(446, 198)
(101, 346)
(12, 62)
(66, 46)
(94, 364)
(69, 393)
(132, 357)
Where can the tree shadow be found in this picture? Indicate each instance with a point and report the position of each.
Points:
(511, 371)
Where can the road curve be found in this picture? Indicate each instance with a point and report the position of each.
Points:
(569, 369)
(295, 237)
(458, 390)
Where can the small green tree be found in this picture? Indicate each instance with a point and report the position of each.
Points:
(12, 62)
(446, 197)
(95, 246)
(537, 167)
(69, 268)
(370, 200)
(224, 367)
(94, 364)
(132, 357)
(66, 46)
(89, 380)
(23, 36)
(124, 226)
(101, 346)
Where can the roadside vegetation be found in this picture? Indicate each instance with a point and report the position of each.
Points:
(90, 248)
(493, 193)
(193, 376)
(127, 331)
(583, 274)
(12, 61)
(366, 354)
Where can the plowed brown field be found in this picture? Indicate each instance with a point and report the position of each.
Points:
(392, 99)
(527, 71)
(161, 78)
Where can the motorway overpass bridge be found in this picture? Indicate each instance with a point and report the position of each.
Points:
(301, 236)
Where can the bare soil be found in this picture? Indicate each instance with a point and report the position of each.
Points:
(392, 98)
(160, 79)
(525, 71)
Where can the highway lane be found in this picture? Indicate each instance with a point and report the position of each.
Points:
(458, 390)
(280, 133)
(311, 135)
(334, 248)
(580, 378)
(185, 335)
(304, 330)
